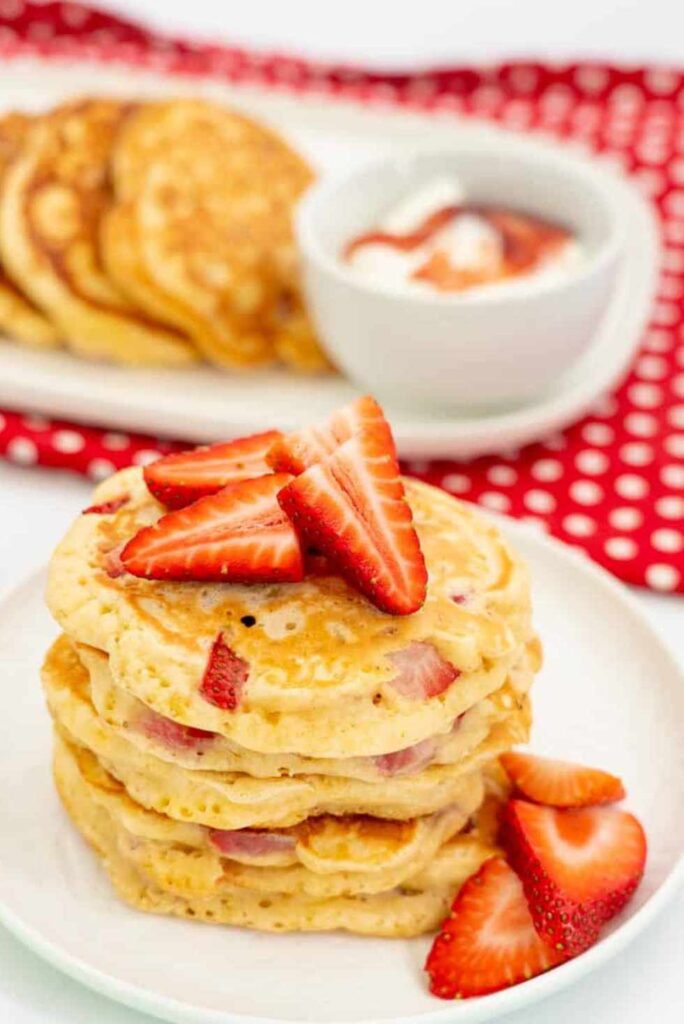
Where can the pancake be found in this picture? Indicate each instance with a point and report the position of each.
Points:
(19, 318)
(54, 195)
(231, 800)
(415, 907)
(319, 858)
(212, 194)
(322, 663)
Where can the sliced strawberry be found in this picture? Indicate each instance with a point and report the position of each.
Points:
(560, 783)
(296, 452)
(239, 535)
(107, 508)
(352, 508)
(579, 867)
(251, 842)
(423, 672)
(183, 477)
(489, 941)
(172, 734)
(225, 676)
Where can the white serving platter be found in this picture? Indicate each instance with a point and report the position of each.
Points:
(610, 694)
(203, 404)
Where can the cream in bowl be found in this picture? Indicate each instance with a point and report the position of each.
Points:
(435, 239)
(466, 278)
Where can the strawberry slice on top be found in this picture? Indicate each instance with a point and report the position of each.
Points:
(352, 508)
(489, 941)
(182, 477)
(295, 452)
(560, 783)
(578, 867)
(239, 535)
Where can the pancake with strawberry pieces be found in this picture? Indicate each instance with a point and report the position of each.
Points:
(235, 799)
(369, 881)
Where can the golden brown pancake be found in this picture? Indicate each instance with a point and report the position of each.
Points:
(54, 196)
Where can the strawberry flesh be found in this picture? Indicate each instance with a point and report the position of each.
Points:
(352, 508)
(560, 783)
(225, 676)
(407, 761)
(239, 535)
(251, 842)
(181, 478)
(296, 452)
(172, 734)
(578, 867)
(423, 672)
(107, 508)
(489, 941)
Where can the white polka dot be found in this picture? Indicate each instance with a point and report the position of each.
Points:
(668, 541)
(629, 485)
(586, 492)
(456, 482)
(502, 476)
(673, 261)
(677, 384)
(605, 407)
(620, 548)
(642, 424)
(3, 422)
(539, 501)
(592, 462)
(676, 415)
(100, 469)
(495, 500)
(679, 356)
(674, 445)
(145, 456)
(23, 451)
(36, 422)
(625, 518)
(672, 475)
(674, 203)
(646, 396)
(670, 288)
(652, 367)
(670, 507)
(68, 441)
(555, 443)
(116, 442)
(547, 470)
(658, 341)
(637, 453)
(662, 577)
(598, 433)
(579, 526)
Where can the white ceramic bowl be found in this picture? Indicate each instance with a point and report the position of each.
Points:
(480, 349)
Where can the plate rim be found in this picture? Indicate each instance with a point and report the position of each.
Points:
(486, 1008)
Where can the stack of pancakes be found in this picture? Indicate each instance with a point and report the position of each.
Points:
(352, 780)
(152, 234)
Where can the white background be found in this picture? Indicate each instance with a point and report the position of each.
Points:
(35, 506)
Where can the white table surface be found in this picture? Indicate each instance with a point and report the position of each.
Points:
(36, 506)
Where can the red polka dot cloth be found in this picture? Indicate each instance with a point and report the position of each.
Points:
(613, 484)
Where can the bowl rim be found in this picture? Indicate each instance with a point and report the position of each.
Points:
(563, 158)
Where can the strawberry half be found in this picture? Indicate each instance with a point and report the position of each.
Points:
(560, 783)
(295, 452)
(239, 535)
(578, 867)
(351, 507)
(225, 676)
(489, 941)
(183, 477)
(422, 671)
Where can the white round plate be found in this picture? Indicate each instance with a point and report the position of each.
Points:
(610, 694)
(203, 404)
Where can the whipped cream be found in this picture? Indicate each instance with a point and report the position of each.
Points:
(434, 240)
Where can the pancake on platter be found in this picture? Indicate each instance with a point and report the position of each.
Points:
(212, 195)
(19, 318)
(326, 674)
(53, 198)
